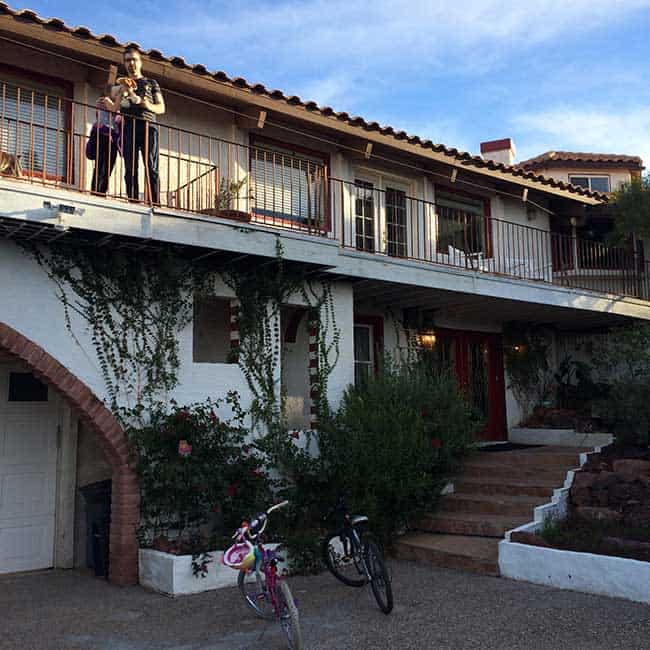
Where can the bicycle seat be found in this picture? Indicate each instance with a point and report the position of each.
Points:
(358, 519)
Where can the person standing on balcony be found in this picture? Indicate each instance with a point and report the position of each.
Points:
(139, 102)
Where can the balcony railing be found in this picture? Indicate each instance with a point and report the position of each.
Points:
(216, 177)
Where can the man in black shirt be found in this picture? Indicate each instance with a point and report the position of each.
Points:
(139, 107)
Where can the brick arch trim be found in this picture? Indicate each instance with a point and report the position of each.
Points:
(125, 498)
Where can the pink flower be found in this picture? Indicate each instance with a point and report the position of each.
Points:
(184, 448)
(257, 473)
(436, 443)
(232, 488)
(295, 434)
(183, 415)
(215, 508)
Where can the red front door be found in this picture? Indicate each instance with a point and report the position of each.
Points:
(478, 361)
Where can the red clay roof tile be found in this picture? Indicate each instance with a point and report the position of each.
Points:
(466, 158)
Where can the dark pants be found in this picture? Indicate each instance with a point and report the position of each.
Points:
(140, 137)
(104, 162)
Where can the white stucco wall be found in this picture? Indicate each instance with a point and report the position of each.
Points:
(31, 307)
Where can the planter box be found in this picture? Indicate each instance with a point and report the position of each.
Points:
(595, 574)
(172, 574)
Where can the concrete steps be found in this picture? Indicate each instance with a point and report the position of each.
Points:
(496, 492)
(491, 504)
(479, 525)
(476, 554)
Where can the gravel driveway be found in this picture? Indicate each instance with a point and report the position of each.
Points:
(434, 608)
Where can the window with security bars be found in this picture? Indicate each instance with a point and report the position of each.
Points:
(288, 185)
(460, 225)
(396, 222)
(364, 214)
(33, 126)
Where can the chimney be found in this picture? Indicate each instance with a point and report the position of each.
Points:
(501, 151)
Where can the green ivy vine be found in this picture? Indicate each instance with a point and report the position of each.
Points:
(134, 306)
(261, 292)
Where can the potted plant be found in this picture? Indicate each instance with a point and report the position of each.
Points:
(228, 199)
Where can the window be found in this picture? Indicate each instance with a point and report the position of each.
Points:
(594, 183)
(288, 185)
(211, 330)
(461, 224)
(33, 125)
(363, 354)
(24, 387)
(364, 213)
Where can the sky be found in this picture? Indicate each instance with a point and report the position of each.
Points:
(551, 74)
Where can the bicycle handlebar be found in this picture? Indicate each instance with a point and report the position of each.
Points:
(246, 527)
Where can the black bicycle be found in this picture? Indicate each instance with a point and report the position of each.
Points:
(356, 561)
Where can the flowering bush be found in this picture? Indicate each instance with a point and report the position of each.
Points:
(198, 478)
(394, 441)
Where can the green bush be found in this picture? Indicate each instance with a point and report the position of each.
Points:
(394, 441)
(623, 362)
(198, 477)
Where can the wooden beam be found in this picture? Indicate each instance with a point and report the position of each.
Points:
(524, 196)
(368, 150)
(261, 119)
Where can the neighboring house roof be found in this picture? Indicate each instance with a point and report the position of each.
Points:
(555, 158)
(27, 15)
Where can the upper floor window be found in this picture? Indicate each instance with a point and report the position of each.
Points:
(288, 184)
(33, 125)
(593, 183)
(462, 227)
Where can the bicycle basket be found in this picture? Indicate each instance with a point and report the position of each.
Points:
(240, 556)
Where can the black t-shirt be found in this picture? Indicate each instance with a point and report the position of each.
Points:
(147, 89)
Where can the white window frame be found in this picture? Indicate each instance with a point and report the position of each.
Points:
(380, 182)
(589, 178)
(371, 348)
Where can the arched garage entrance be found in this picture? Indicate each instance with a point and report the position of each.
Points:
(112, 439)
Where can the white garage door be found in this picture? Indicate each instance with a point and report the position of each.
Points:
(28, 452)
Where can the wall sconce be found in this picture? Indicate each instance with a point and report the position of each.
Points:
(427, 340)
(573, 221)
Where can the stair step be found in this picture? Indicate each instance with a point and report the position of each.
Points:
(533, 487)
(552, 460)
(476, 554)
(457, 523)
(525, 472)
(490, 504)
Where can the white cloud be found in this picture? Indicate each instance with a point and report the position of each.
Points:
(624, 130)
(468, 35)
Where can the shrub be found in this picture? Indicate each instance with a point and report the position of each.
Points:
(394, 441)
(198, 477)
(623, 362)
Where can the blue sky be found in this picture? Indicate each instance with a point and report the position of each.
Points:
(568, 74)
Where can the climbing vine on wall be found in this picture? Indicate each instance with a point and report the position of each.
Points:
(134, 305)
(261, 292)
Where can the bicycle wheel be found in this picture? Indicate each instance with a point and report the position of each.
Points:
(380, 580)
(253, 590)
(289, 618)
(346, 567)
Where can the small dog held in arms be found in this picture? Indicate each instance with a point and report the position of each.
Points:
(10, 164)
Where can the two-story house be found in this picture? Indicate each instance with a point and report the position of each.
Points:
(414, 237)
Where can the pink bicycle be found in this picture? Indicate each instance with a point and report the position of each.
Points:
(259, 582)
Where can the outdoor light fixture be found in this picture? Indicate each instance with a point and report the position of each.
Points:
(427, 340)
(573, 221)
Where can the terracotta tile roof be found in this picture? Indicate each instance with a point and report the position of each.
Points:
(580, 157)
(27, 15)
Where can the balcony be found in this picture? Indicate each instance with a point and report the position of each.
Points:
(46, 140)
